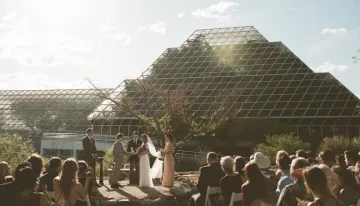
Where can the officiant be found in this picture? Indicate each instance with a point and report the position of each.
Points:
(132, 147)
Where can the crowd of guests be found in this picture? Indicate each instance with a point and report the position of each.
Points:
(67, 183)
(299, 179)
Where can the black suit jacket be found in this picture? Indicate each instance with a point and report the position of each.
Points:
(89, 147)
(131, 145)
(210, 175)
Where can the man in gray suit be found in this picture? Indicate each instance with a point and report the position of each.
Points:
(118, 153)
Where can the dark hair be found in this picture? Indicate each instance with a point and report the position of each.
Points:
(284, 162)
(19, 167)
(211, 155)
(347, 177)
(301, 153)
(36, 164)
(26, 178)
(327, 155)
(351, 155)
(240, 163)
(256, 178)
(170, 137)
(340, 161)
(83, 166)
(88, 130)
(119, 135)
(144, 138)
(54, 163)
(316, 181)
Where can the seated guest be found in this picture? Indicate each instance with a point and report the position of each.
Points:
(256, 186)
(4, 171)
(83, 170)
(47, 180)
(210, 175)
(297, 189)
(327, 157)
(278, 155)
(37, 165)
(317, 185)
(301, 153)
(230, 182)
(9, 191)
(349, 192)
(350, 159)
(240, 163)
(285, 179)
(68, 190)
(264, 163)
(27, 195)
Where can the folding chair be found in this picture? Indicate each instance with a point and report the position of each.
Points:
(235, 197)
(210, 191)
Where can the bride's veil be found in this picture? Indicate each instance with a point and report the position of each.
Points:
(156, 170)
(152, 149)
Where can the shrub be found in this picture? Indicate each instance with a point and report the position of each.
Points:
(339, 144)
(288, 142)
(15, 149)
(186, 165)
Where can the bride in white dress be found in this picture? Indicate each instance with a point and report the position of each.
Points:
(145, 179)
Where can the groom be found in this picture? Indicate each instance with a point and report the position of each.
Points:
(132, 147)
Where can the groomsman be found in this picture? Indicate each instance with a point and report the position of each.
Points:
(118, 153)
(89, 148)
(134, 159)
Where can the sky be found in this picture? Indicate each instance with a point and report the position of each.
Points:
(60, 44)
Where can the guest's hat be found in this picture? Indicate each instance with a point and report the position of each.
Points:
(261, 160)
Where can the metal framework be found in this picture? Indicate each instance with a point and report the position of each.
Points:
(266, 79)
(271, 82)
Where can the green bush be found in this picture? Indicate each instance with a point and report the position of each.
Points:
(288, 142)
(15, 149)
(186, 165)
(339, 144)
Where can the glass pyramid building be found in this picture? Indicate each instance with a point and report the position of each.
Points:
(264, 79)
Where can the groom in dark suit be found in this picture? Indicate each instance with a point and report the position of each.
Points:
(132, 147)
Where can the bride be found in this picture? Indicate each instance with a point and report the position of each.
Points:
(145, 179)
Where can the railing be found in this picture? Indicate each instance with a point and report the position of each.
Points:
(189, 154)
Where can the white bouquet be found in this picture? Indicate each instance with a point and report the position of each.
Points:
(159, 154)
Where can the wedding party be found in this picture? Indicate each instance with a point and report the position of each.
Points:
(139, 149)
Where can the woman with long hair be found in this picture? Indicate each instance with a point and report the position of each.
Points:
(68, 190)
(317, 186)
(169, 165)
(349, 190)
(256, 185)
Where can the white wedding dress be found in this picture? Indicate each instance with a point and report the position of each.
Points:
(145, 179)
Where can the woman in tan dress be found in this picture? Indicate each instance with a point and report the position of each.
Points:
(169, 164)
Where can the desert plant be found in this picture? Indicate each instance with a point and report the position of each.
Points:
(288, 142)
(15, 149)
(339, 144)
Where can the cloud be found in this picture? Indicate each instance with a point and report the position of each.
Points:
(216, 11)
(330, 67)
(181, 15)
(158, 28)
(335, 31)
(19, 80)
(141, 28)
(19, 41)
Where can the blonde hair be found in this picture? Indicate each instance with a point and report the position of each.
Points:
(227, 164)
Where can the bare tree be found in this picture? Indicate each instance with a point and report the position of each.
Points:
(187, 113)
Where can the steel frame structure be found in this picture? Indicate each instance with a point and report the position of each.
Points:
(270, 80)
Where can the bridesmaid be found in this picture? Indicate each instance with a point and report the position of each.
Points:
(169, 165)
